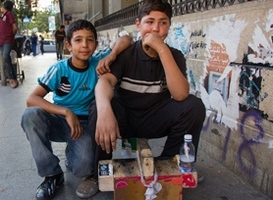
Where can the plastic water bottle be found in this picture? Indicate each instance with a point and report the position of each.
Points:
(187, 155)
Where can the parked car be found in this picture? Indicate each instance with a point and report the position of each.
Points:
(49, 45)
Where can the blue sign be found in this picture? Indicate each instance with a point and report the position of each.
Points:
(26, 19)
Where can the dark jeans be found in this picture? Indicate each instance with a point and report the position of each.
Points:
(33, 46)
(168, 118)
(59, 50)
(41, 128)
(6, 49)
(42, 49)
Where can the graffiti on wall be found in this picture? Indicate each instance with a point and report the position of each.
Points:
(246, 142)
(225, 88)
(190, 42)
(217, 61)
(217, 45)
(250, 88)
(178, 38)
(108, 40)
(261, 49)
(223, 37)
(255, 89)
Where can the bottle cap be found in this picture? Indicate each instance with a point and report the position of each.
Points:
(188, 137)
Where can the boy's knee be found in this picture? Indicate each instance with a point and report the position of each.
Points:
(195, 101)
(197, 107)
(31, 114)
(31, 111)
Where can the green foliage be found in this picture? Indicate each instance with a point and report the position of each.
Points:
(23, 9)
(40, 21)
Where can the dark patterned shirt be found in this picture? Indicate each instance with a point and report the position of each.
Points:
(141, 79)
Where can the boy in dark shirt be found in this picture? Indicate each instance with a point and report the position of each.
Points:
(151, 97)
(42, 44)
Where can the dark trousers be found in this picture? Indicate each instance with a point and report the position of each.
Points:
(42, 49)
(168, 118)
(33, 46)
(5, 49)
(59, 50)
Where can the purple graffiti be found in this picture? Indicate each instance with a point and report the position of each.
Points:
(247, 142)
(257, 119)
(249, 170)
(245, 146)
(206, 126)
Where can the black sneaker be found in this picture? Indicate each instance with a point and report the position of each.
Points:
(47, 189)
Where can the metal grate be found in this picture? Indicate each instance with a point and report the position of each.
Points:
(128, 15)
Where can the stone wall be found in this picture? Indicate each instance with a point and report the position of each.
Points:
(229, 55)
(77, 9)
(116, 5)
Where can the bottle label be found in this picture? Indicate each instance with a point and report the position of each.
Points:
(186, 169)
(186, 163)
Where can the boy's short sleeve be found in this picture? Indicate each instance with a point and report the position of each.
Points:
(51, 79)
(102, 53)
(11, 19)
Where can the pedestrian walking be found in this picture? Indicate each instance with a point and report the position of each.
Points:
(34, 42)
(59, 40)
(42, 44)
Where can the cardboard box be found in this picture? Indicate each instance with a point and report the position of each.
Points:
(128, 186)
(123, 176)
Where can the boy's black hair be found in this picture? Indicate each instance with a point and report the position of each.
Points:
(154, 5)
(62, 26)
(80, 25)
(8, 5)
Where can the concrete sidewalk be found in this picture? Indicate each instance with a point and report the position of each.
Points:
(18, 176)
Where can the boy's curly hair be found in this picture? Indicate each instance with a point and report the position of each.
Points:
(80, 25)
(154, 5)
